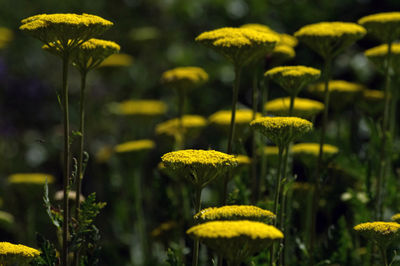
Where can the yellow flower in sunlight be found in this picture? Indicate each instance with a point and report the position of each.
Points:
(12, 254)
(282, 130)
(233, 213)
(235, 240)
(328, 39)
(311, 150)
(241, 46)
(383, 233)
(138, 108)
(378, 55)
(384, 26)
(30, 178)
(396, 218)
(243, 159)
(304, 108)
(117, 60)
(134, 146)
(223, 118)
(184, 77)
(190, 123)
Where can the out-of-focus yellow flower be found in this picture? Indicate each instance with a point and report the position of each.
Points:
(293, 78)
(191, 125)
(383, 233)
(104, 154)
(146, 108)
(6, 36)
(328, 39)
(235, 240)
(163, 228)
(378, 56)
(243, 159)
(282, 130)
(342, 92)
(304, 108)
(65, 31)
(117, 60)
(30, 178)
(134, 146)
(183, 78)
(198, 166)
(396, 218)
(384, 26)
(312, 149)
(234, 213)
(372, 102)
(222, 120)
(11, 254)
(241, 46)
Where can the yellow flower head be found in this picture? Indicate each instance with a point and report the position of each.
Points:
(234, 213)
(135, 146)
(146, 108)
(380, 232)
(281, 53)
(30, 178)
(243, 159)
(304, 108)
(288, 40)
(163, 228)
(222, 120)
(396, 218)
(235, 240)
(373, 95)
(372, 102)
(378, 55)
(284, 39)
(191, 125)
(241, 46)
(184, 77)
(117, 60)
(89, 55)
(308, 152)
(198, 166)
(328, 39)
(293, 78)
(282, 130)
(271, 151)
(65, 31)
(384, 26)
(11, 254)
(6, 36)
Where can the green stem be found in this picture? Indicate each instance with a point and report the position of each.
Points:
(64, 255)
(292, 96)
(384, 256)
(264, 97)
(197, 206)
(383, 152)
(327, 70)
(255, 177)
(231, 129)
(181, 108)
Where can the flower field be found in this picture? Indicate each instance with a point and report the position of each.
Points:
(199, 133)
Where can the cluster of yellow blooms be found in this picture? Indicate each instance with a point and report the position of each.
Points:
(381, 232)
(134, 146)
(378, 56)
(304, 108)
(235, 212)
(12, 254)
(189, 123)
(117, 60)
(243, 159)
(396, 217)
(30, 178)
(139, 108)
(282, 130)
(6, 35)
(384, 26)
(184, 77)
(312, 149)
(223, 118)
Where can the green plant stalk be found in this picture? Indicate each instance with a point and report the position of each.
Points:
(231, 129)
(327, 74)
(255, 178)
(197, 206)
(264, 97)
(276, 201)
(181, 108)
(291, 106)
(281, 214)
(384, 256)
(65, 235)
(384, 160)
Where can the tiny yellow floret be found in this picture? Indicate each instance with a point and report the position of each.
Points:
(235, 212)
(134, 146)
(30, 178)
(304, 108)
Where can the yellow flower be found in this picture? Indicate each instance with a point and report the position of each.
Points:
(270, 150)
(184, 77)
(342, 92)
(222, 119)
(198, 166)
(241, 46)
(65, 31)
(293, 78)
(378, 55)
(312, 149)
(134, 146)
(30, 178)
(284, 39)
(384, 26)
(281, 130)
(396, 218)
(117, 60)
(235, 240)
(328, 39)
(243, 159)
(288, 40)
(6, 36)
(191, 125)
(281, 53)
(235, 212)
(104, 154)
(381, 232)
(373, 95)
(139, 108)
(12, 254)
(304, 108)
(372, 102)
(163, 228)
